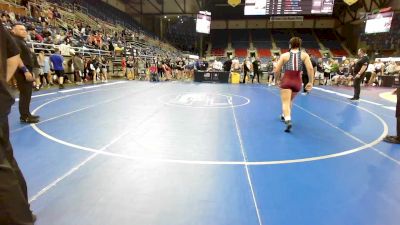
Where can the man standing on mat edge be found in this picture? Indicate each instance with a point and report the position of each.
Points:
(396, 139)
(14, 206)
(23, 76)
(359, 70)
(292, 80)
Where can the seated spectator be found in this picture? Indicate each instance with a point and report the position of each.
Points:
(391, 68)
(339, 77)
(35, 36)
(369, 74)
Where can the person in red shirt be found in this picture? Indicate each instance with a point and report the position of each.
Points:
(153, 72)
(123, 66)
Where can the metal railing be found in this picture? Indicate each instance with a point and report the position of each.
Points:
(65, 49)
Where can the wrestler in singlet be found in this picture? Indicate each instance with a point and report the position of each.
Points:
(292, 76)
(292, 63)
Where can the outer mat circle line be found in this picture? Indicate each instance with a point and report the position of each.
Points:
(212, 162)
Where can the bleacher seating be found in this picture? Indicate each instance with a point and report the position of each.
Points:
(106, 12)
(218, 52)
(284, 50)
(261, 38)
(308, 38)
(219, 39)
(328, 38)
(385, 43)
(339, 52)
(282, 37)
(314, 52)
(264, 52)
(263, 43)
(181, 34)
(240, 39)
(19, 10)
(241, 52)
(264, 60)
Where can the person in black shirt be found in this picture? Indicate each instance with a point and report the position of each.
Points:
(24, 82)
(180, 65)
(389, 138)
(320, 71)
(14, 206)
(256, 69)
(228, 65)
(305, 77)
(359, 72)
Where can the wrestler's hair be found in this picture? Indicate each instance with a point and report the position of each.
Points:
(295, 42)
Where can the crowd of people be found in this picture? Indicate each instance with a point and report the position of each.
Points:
(335, 73)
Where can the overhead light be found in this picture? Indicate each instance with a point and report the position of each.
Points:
(350, 2)
(234, 3)
(165, 17)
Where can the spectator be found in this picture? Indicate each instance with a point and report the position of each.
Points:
(44, 69)
(247, 69)
(359, 71)
(36, 71)
(103, 73)
(257, 69)
(78, 63)
(57, 61)
(123, 66)
(24, 77)
(154, 72)
(130, 68)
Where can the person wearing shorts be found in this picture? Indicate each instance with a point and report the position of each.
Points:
(57, 61)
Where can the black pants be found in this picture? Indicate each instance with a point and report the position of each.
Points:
(398, 112)
(25, 95)
(244, 76)
(305, 82)
(14, 206)
(77, 76)
(357, 86)
(44, 78)
(256, 73)
(368, 76)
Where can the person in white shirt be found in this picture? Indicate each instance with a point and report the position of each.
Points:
(370, 74)
(235, 67)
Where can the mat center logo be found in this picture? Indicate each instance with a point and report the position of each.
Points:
(205, 100)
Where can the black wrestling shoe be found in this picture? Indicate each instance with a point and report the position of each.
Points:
(354, 99)
(288, 126)
(282, 118)
(392, 139)
(34, 116)
(29, 119)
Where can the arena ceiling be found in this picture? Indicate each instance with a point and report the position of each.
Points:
(220, 9)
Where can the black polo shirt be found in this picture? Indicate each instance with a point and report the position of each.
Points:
(256, 66)
(8, 49)
(313, 63)
(360, 63)
(25, 53)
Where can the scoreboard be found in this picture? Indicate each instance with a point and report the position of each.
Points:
(288, 7)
